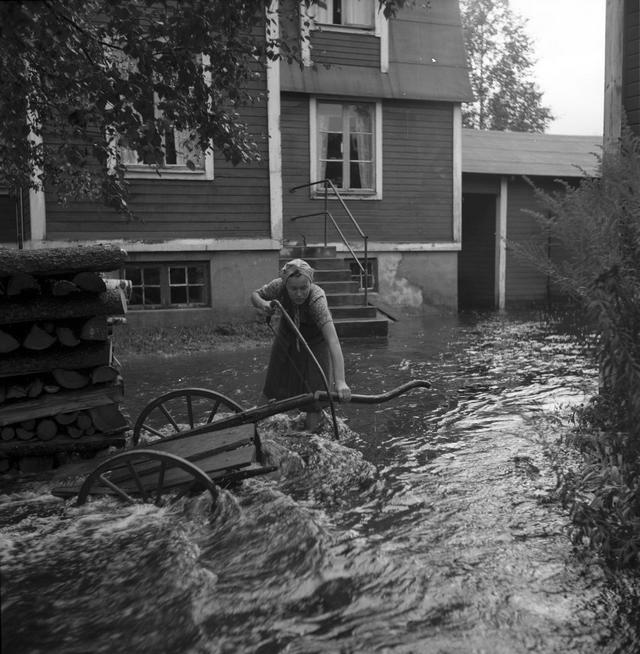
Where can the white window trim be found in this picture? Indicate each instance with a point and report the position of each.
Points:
(314, 174)
(171, 171)
(380, 29)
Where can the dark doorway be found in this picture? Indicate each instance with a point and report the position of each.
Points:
(476, 261)
(11, 218)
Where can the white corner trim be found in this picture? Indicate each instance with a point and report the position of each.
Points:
(306, 25)
(275, 136)
(382, 30)
(37, 200)
(37, 216)
(457, 173)
(501, 244)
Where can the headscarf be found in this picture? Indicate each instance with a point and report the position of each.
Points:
(296, 266)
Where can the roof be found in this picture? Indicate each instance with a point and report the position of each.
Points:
(526, 153)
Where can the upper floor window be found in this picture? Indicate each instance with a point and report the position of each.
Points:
(347, 13)
(179, 154)
(347, 146)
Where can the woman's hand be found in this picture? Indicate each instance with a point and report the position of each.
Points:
(344, 392)
(267, 309)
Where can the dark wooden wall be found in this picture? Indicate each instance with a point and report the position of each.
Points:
(631, 64)
(417, 203)
(234, 204)
(524, 282)
(345, 49)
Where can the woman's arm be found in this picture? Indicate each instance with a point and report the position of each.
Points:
(335, 350)
(260, 303)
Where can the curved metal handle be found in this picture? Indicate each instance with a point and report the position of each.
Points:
(381, 397)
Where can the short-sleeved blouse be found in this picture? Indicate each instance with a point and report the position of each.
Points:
(315, 305)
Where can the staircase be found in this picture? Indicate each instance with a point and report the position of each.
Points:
(352, 318)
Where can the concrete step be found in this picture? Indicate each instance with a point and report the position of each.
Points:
(348, 286)
(362, 327)
(359, 311)
(340, 299)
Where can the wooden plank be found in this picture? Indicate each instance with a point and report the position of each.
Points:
(110, 303)
(212, 466)
(63, 402)
(189, 448)
(190, 445)
(86, 355)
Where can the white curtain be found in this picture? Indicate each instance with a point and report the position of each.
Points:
(357, 12)
(361, 129)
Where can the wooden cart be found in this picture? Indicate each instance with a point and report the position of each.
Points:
(190, 440)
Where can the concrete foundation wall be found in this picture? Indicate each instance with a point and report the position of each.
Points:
(233, 275)
(418, 279)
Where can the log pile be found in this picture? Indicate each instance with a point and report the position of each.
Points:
(60, 383)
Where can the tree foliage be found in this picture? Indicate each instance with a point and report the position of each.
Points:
(75, 73)
(500, 57)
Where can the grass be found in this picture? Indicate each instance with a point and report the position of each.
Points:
(181, 340)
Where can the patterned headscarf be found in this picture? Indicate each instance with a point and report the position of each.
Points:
(296, 266)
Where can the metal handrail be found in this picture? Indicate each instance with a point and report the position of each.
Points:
(328, 184)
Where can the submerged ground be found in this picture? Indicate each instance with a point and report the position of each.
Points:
(429, 527)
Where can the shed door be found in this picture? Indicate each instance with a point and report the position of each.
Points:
(477, 259)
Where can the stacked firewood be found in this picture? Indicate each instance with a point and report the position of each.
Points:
(60, 383)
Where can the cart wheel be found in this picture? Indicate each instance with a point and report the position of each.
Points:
(181, 410)
(145, 476)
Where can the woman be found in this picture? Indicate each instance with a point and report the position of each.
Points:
(291, 370)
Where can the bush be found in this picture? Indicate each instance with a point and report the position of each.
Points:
(596, 226)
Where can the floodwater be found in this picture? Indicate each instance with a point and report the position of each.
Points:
(427, 528)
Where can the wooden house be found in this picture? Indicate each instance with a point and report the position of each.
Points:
(375, 108)
(500, 171)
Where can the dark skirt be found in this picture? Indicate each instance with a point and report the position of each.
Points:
(292, 371)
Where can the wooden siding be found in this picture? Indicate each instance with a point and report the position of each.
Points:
(417, 204)
(631, 64)
(524, 283)
(235, 204)
(426, 61)
(345, 49)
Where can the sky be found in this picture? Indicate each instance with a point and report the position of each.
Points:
(568, 38)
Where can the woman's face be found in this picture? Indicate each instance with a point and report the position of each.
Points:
(298, 288)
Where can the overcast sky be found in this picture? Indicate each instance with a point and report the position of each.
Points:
(568, 39)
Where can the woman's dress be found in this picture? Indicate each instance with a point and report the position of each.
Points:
(291, 370)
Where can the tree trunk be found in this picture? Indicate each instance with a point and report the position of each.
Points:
(61, 261)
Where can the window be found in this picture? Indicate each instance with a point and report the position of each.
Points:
(182, 157)
(161, 286)
(347, 13)
(347, 146)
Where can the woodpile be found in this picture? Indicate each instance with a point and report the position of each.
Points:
(60, 383)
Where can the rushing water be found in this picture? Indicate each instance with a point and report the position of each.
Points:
(426, 529)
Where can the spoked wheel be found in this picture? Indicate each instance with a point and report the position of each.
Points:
(146, 476)
(181, 410)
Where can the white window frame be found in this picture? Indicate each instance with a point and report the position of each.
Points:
(165, 171)
(317, 191)
(380, 29)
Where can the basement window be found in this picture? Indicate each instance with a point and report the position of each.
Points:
(168, 285)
